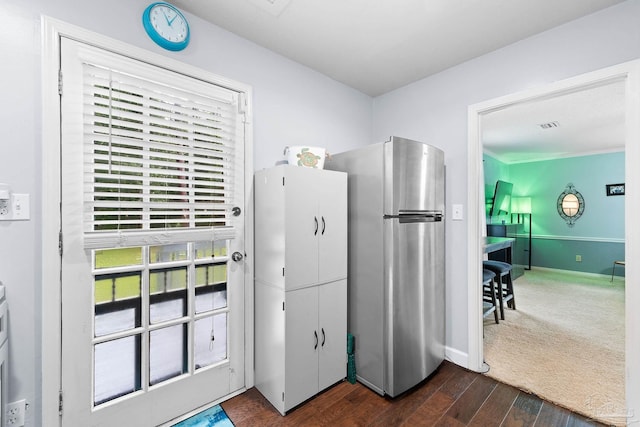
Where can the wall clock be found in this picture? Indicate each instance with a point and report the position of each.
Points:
(166, 26)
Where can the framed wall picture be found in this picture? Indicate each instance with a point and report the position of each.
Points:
(615, 189)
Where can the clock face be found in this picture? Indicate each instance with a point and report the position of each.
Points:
(166, 26)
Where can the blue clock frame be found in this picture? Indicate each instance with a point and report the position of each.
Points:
(156, 36)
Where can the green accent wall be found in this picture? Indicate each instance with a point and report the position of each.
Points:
(597, 236)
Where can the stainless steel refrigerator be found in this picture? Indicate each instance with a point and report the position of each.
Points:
(396, 261)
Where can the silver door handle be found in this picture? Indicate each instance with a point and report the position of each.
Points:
(236, 256)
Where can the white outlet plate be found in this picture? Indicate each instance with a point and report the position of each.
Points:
(17, 208)
(15, 413)
(458, 213)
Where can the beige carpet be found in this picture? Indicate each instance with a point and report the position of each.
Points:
(564, 343)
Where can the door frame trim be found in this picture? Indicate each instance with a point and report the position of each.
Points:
(52, 30)
(630, 72)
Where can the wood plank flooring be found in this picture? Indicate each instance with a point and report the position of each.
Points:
(453, 396)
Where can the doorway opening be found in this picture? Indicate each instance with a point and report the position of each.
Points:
(629, 73)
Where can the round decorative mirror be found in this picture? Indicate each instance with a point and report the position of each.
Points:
(570, 205)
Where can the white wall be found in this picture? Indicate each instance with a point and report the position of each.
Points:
(292, 105)
(434, 110)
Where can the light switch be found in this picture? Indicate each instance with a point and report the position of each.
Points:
(20, 206)
(458, 213)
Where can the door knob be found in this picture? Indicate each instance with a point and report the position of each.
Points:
(236, 256)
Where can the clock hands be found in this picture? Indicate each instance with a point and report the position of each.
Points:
(169, 21)
(166, 17)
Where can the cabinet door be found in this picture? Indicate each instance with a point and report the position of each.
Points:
(302, 227)
(332, 252)
(333, 333)
(302, 345)
(270, 368)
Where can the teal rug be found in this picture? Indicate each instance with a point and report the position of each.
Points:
(214, 416)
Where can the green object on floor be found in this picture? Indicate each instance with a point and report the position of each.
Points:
(351, 361)
(351, 369)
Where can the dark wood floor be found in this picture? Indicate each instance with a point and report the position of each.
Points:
(453, 396)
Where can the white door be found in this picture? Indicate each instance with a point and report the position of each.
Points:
(152, 304)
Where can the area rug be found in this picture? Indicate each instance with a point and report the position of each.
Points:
(564, 343)
(214, 416)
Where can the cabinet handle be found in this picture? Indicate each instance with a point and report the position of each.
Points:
(315, 333)
(323, 337)
(315, 233)
(323, 225)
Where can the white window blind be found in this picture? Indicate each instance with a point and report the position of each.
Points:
(158, 159)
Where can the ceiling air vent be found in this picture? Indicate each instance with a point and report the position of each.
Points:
(549, 125)
(273, 7)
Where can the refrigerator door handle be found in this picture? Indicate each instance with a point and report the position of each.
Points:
(323, 337)
(315, 333)
(315, 218)
(418, 217)
(323, 225)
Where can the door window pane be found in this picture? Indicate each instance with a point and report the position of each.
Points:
(211, 274)
(210, 298)
(167, 353)
(116, 368)
(117, 302)
(211, 249)
(168, 253)
(168, 294)
(167, 280)
(210, 340)
(211, 287)
(106, 258)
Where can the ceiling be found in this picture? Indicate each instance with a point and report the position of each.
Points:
(584, 122)
(376, 46)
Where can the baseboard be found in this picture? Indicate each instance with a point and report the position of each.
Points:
(580, 273)
(456, 356)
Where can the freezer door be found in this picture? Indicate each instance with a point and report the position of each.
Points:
(413, 176)
(414, 302)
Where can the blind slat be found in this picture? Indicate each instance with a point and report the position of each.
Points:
(100, 240)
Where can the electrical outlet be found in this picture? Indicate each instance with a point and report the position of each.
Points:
(578, 258)
(15, 413)
(4, 207)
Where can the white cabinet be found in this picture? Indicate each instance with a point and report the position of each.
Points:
(300, 226)
(301, 282)
(300, 346)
